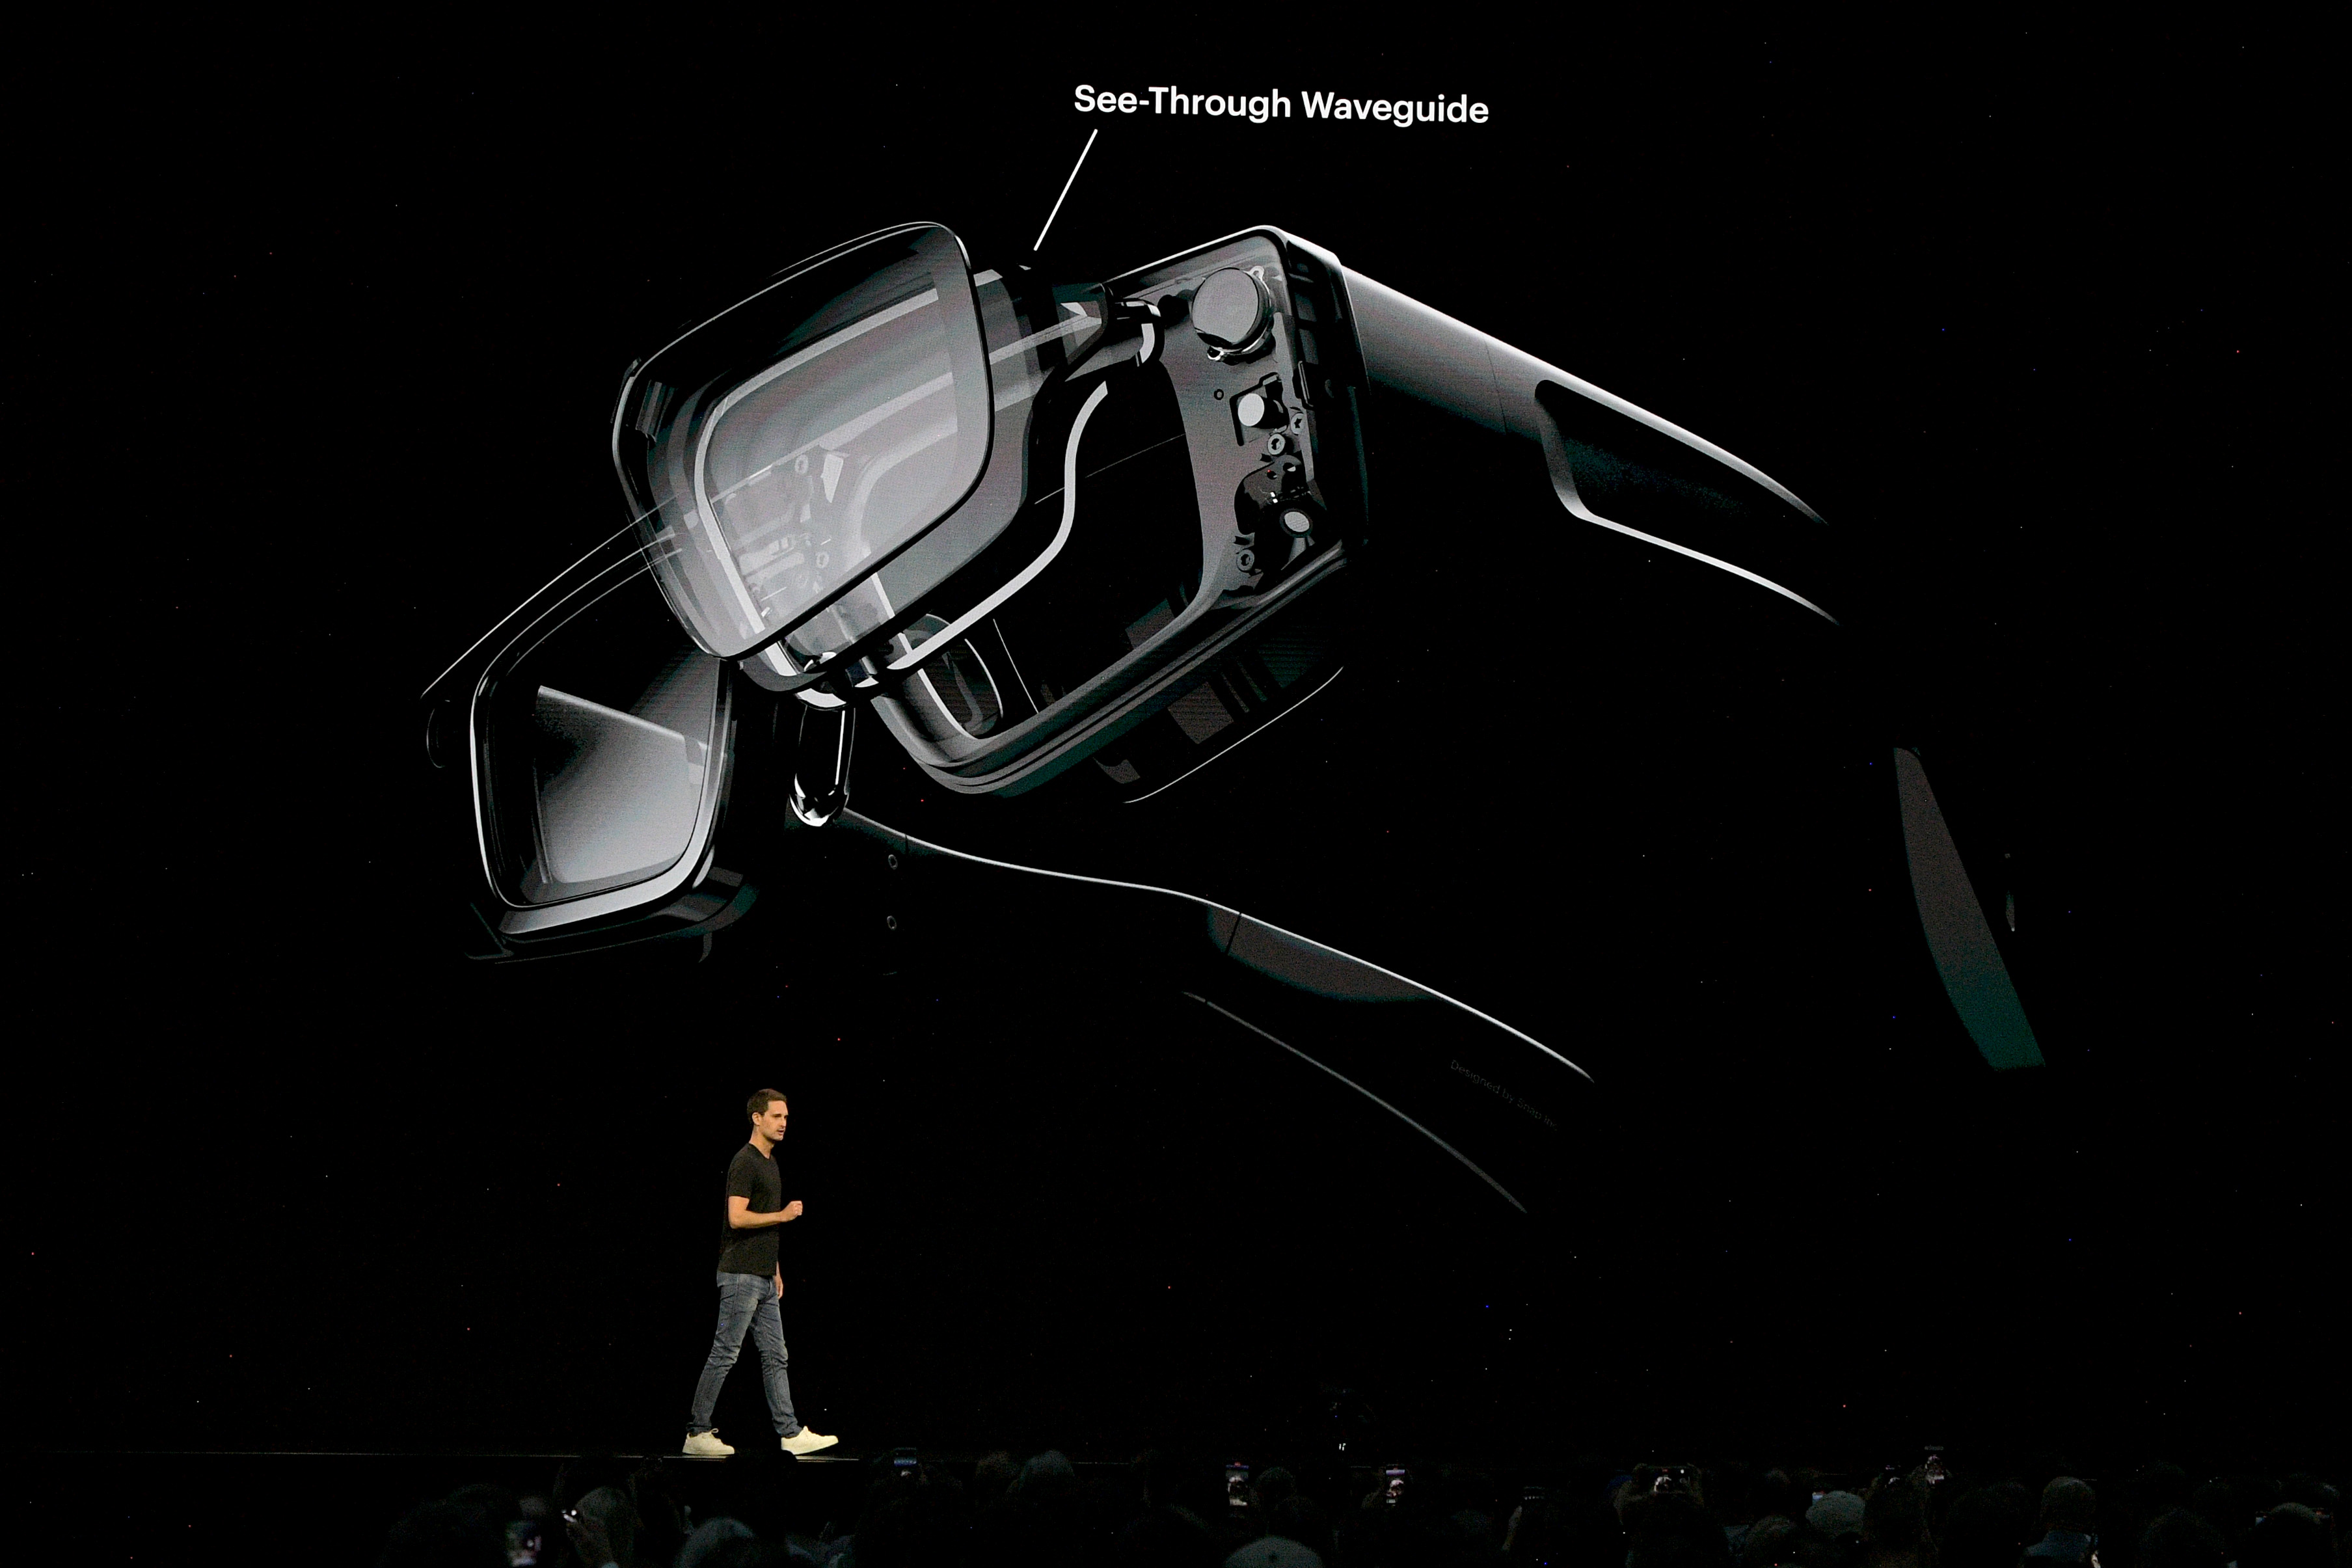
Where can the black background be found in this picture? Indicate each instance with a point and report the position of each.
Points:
(317, 345)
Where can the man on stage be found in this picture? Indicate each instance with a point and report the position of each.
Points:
(750, 1282)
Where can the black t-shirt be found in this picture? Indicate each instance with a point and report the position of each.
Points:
(754, 1175)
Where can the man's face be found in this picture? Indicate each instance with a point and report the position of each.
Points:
(771, 1121)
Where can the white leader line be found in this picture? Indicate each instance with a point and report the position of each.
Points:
(1066, 187)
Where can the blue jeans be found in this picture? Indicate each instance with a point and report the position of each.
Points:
(746, 1302)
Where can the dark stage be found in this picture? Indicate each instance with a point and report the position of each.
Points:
(319, 1220)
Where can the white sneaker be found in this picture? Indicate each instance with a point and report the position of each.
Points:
(807, 1442)
(706, 1446)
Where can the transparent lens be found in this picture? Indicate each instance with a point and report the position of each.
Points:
(812, 432)
(616, 794)
(810, 471)
(597, 748)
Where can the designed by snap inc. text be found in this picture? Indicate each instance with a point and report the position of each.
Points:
(1491, 1087)
(1260, 108)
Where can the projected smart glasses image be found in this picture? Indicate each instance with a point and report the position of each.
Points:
(1083, 537)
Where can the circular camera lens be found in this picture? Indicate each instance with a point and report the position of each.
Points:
(1229, 311)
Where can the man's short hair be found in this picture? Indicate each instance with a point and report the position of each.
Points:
(757, 1106)
(2068, 1504)
(611, 1508)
